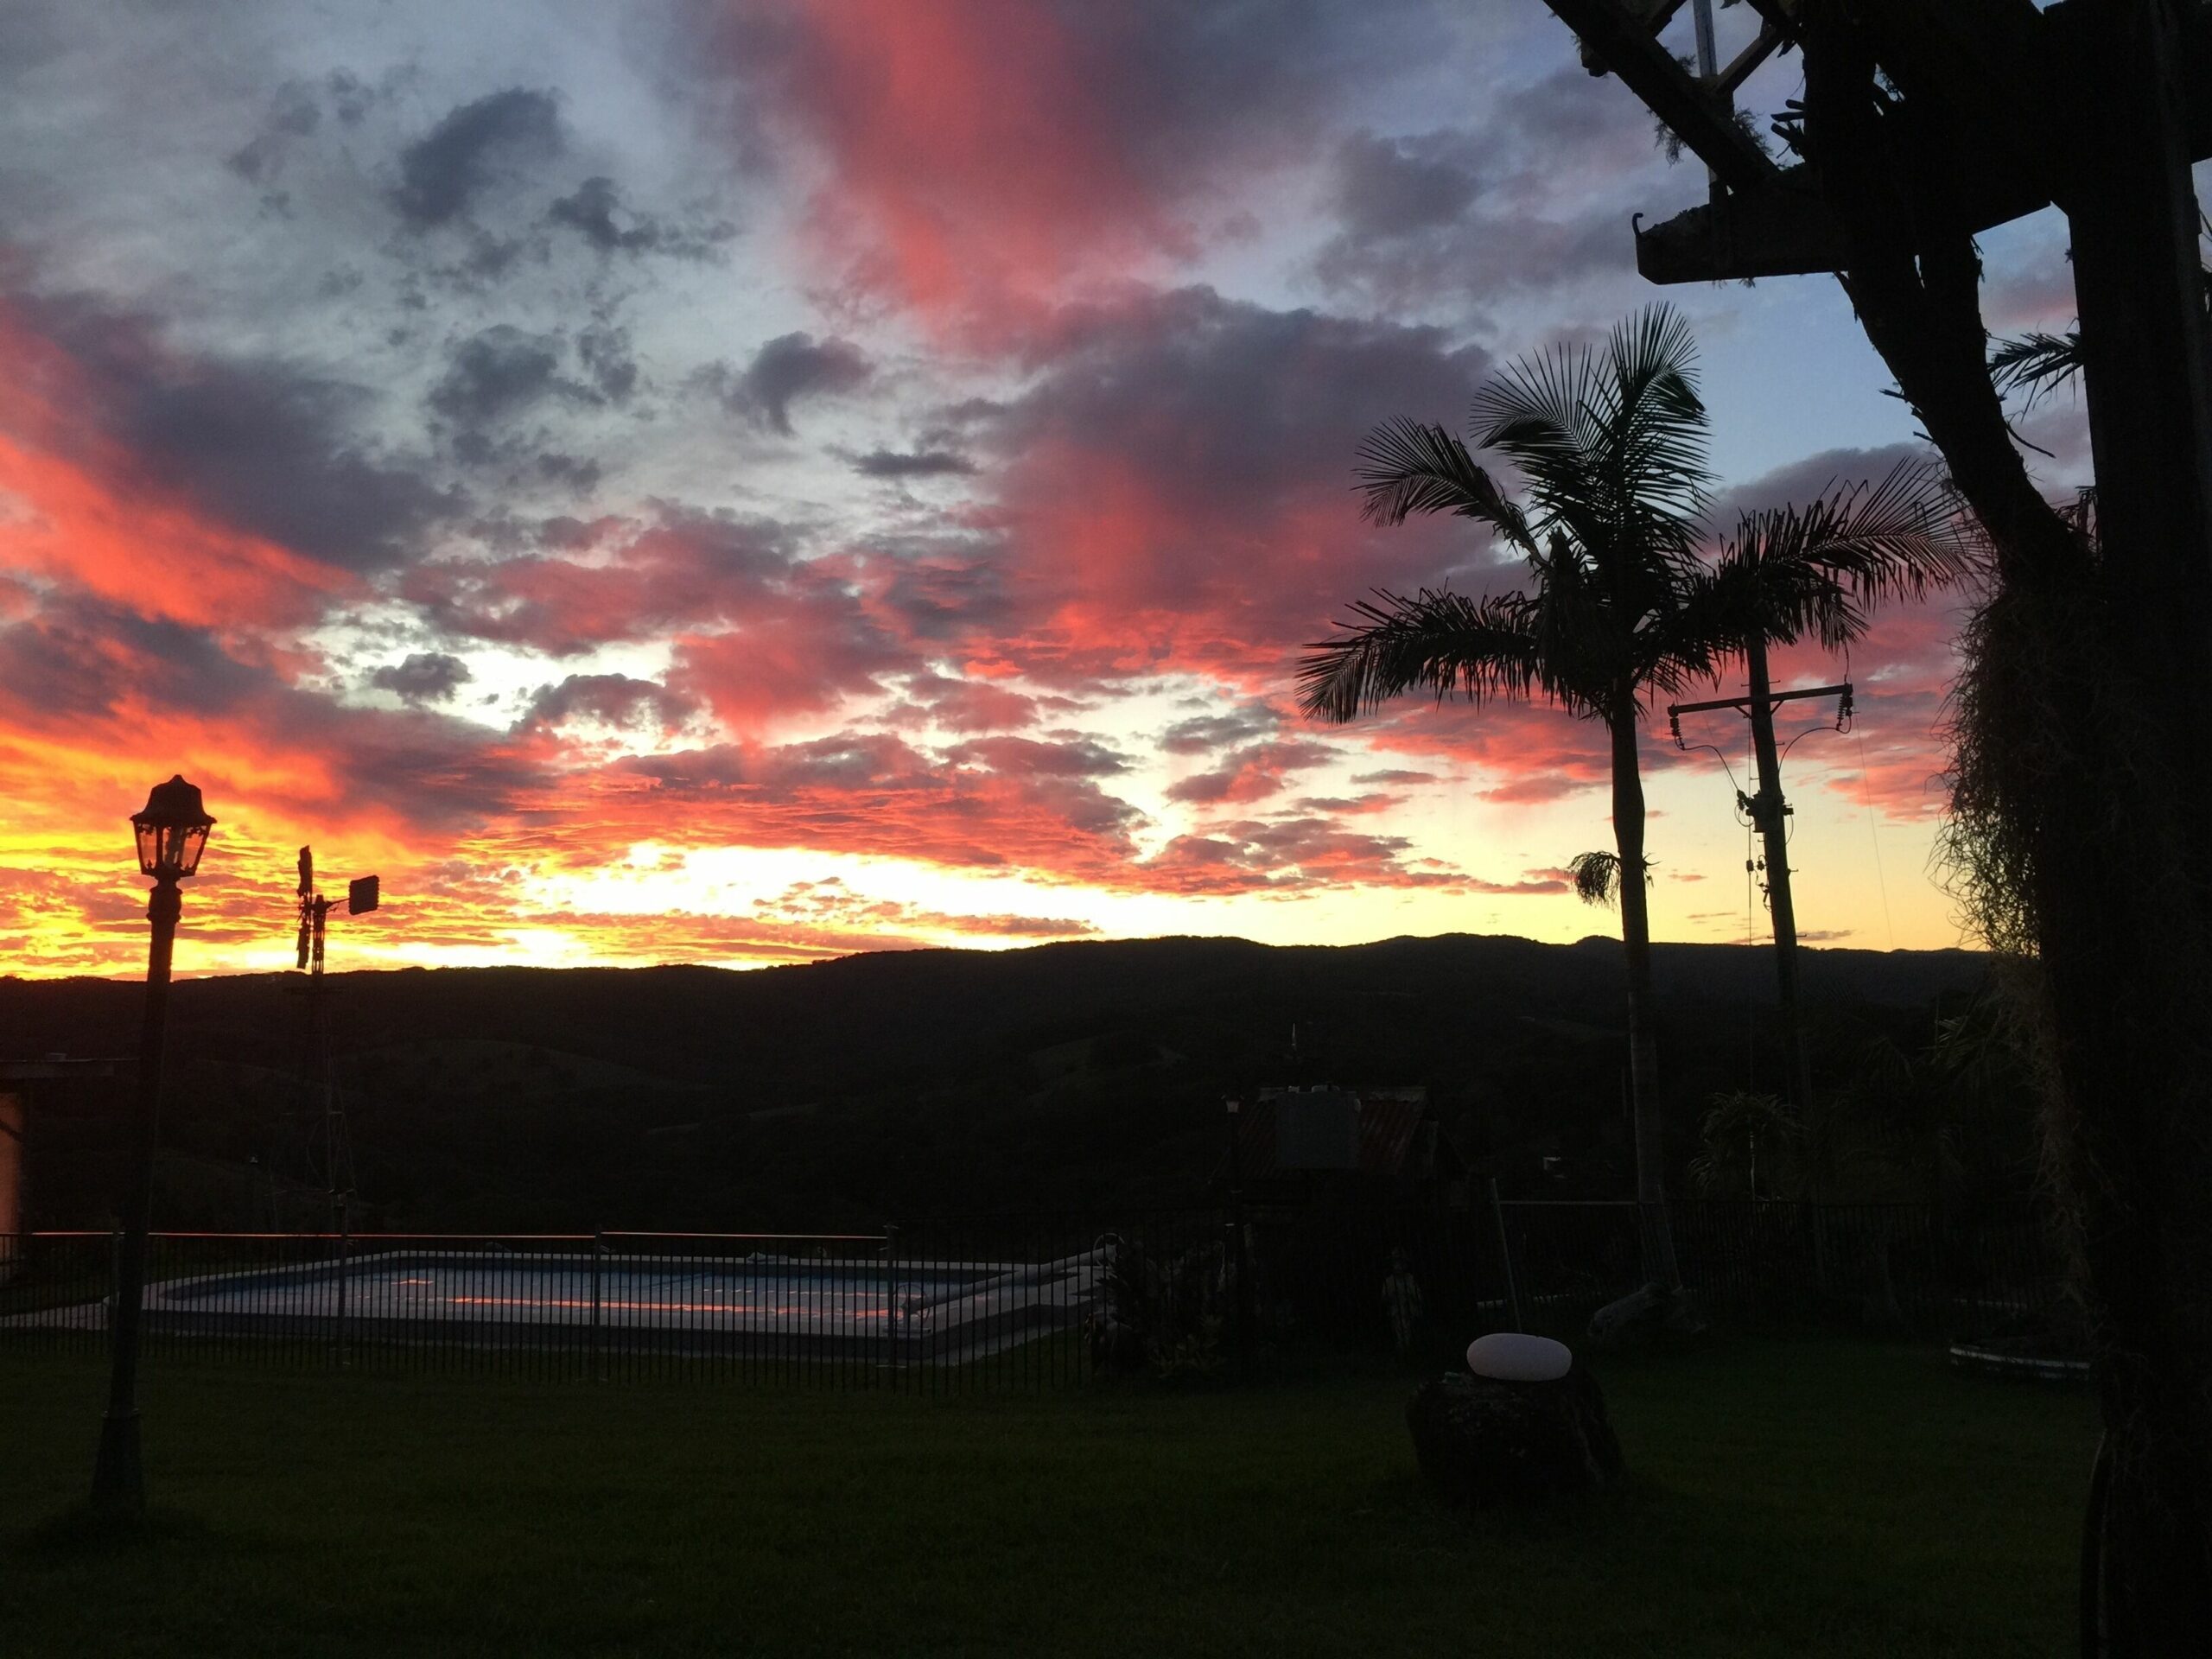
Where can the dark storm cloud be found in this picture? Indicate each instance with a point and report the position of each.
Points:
(594, 212)
(1479, 255)
(1203, 733)
(1525, 200)
(918, 463)
(579, 473)
(1291, 853)
(947, 596)
(683, 569)
(1395, 187)
(613, 699)
(1250, 774)
(1103, 135)
(497, 372)
(1027, 756)
(266, 445)
(604, 350)
(423, 676)
(293, 114)
(62, 664)
(82, 667)
(1800, 482)
(590, 213)
(1186, 458)
(442, 171)
(350, 97)
(500, 373)
(1210, 396)
(787, 369)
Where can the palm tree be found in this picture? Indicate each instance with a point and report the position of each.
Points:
(1620, 606)
(1792, 572)
(1611, 445)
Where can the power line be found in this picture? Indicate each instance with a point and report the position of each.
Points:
(1874, 835)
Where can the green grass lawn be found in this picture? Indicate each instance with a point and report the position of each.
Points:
(1788, 1497)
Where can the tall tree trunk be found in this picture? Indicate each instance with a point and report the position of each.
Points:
(2129, 1000)
(2083, 750)
(1658, 1236)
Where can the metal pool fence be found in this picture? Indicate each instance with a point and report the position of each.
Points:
(1022, 1302)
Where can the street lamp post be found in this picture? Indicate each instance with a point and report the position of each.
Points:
(172, 833)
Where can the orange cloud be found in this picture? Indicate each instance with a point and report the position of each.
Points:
(77, 509)
(984, 161)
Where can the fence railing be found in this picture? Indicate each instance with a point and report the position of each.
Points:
(1010, 1301)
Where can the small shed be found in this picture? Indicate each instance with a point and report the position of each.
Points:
(1297, 1146)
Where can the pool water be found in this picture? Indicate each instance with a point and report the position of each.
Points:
(828, 1299)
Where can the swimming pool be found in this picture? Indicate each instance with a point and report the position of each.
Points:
(826, 1306)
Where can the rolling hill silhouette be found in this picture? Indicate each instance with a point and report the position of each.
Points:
(840, 1093)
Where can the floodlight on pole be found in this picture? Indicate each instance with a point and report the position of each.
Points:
(363, 894)
(171, 834)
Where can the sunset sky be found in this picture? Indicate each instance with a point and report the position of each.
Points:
(742, 481)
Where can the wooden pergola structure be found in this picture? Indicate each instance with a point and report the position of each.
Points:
(1996, 67)
(1984, 110)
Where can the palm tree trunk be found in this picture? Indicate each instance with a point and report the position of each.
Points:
(1658, 1237)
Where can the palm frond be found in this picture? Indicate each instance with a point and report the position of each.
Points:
(1689, 641)
(1597, 877)
(1657, 419)
(2035, 362)
(1813, 571)
(1653, 457)
(1540, 413)
(1481, 649)
(1612, 445)
(1408, 466)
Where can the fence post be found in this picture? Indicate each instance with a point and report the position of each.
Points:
(1240, 1254)
(598, 1254)
(344, 1249)
(891, 1301)
(1505, 1257)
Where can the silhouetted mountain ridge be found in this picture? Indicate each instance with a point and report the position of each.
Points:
(1072, 1073)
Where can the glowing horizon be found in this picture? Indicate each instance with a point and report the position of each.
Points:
(747, 483)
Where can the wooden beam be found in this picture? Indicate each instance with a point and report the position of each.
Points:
(1781, 229)
(2138, 284)
(1690, 110)
(1749, 59)
(1982, 171)
(1650, 16)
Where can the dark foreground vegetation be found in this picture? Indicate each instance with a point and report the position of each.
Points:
(1803, 1497)
(839, 1094)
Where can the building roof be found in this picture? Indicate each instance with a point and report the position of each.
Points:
(1389, 1132)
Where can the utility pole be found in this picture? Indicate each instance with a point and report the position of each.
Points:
(1768, 811)
(362, 896)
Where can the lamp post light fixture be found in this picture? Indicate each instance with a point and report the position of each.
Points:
(172, 833)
